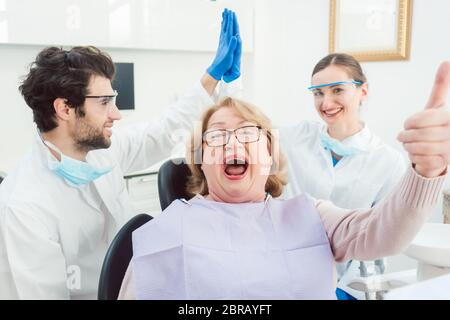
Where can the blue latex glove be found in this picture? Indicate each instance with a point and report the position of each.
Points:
(227, 45)
(235, 71)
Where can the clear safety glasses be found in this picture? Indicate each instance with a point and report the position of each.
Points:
(107, 100)
(334, 84)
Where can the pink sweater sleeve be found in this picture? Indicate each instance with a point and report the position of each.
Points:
(387, 228)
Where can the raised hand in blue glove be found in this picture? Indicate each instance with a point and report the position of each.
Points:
(227, 45)
(235, 71)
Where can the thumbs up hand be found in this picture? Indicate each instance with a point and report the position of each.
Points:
(426, 137)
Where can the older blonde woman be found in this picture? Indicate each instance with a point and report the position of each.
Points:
(233, 240)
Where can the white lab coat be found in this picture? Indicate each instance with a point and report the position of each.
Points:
(355, 182)
(53, 235)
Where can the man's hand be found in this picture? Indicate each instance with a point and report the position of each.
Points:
(426, 137)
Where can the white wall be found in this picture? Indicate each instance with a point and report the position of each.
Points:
(290, 37)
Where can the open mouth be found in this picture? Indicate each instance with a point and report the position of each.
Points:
(333, 112)
(235, 168)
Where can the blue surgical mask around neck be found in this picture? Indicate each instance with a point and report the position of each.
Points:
(337, 146)
(74, 171)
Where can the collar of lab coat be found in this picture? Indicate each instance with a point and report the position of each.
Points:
(102, 185)
(363, 140)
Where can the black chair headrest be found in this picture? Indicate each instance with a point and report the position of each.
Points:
(172, 179)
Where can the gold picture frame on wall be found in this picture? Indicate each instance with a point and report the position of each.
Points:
(371, 30)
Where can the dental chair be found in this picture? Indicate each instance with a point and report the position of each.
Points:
(118, 258)
(363, 282)
(172, 179)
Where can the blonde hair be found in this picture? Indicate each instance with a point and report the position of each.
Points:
(278, 176)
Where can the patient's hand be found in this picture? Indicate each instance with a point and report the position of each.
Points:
(426, 137)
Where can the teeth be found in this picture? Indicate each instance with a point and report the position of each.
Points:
(333, 112)
(235, 161)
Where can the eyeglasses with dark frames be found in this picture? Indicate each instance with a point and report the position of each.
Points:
(221, 137)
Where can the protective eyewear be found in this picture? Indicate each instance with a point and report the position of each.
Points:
(334, 84)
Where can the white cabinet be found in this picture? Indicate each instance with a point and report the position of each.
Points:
(143, 191)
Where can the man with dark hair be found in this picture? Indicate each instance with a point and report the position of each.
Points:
(63, 204)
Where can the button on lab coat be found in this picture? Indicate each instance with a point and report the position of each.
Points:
(356, 181)
(53, 235)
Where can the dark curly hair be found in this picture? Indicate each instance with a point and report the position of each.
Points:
(58, 73)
